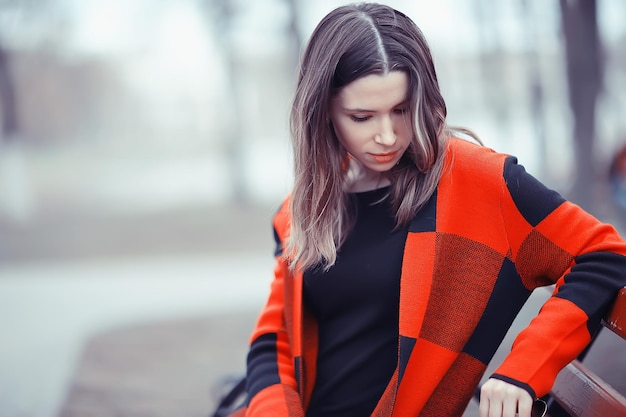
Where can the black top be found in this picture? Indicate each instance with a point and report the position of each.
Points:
(356, 305)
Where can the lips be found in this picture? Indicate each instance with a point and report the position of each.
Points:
(383, 158)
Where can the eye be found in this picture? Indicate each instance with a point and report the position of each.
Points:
(359, 119)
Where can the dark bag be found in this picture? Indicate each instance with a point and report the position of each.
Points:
(231, 396)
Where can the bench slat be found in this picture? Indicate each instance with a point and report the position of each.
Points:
(582, 393)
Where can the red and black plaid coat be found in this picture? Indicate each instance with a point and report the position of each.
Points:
(489, 235)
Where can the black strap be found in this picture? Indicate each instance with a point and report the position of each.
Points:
(232, 400)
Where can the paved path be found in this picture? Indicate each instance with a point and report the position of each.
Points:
(50, 311)
(170, 368)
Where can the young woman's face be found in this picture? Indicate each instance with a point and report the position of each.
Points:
(372, 120)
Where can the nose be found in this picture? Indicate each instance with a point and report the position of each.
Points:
(386, 134)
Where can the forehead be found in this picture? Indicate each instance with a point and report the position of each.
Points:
(375, 91)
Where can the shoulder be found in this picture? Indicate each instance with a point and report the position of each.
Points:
(465, 155)
(472, 169)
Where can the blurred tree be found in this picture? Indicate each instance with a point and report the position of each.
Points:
(7, 99)
(492, 58)
(584, 76)
(16, 198)
(535, 84)
(25, 24)
(222, 15)
(294, 31)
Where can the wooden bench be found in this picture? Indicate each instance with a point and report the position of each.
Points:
(579, 392)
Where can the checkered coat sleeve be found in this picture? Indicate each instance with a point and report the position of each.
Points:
(487, 238)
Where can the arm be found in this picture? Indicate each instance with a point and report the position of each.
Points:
(272, 387)
(555, 241)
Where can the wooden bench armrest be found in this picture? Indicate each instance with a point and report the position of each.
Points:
(582, 393)
(616, 319)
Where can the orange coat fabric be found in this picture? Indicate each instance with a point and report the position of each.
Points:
(489, 235)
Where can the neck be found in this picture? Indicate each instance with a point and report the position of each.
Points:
(359, 179)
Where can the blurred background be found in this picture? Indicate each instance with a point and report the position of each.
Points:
(144, 148)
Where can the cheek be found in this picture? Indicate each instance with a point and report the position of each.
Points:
(339, 135)
(346, 134)
(406, 133)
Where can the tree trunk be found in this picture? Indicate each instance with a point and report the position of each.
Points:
(584, 76)
(7, 100)
(293, 32)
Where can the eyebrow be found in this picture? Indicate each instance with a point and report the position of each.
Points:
(357, 110)
(361, 110)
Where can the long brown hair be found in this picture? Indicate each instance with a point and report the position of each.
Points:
(351, 42)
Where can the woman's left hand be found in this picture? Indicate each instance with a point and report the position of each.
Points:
(501, 399)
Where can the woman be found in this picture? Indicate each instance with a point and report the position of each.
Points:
(404, 254)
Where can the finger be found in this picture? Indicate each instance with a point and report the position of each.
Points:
(525, 406)
(495, 408)
(509, 407)
(483, 406)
